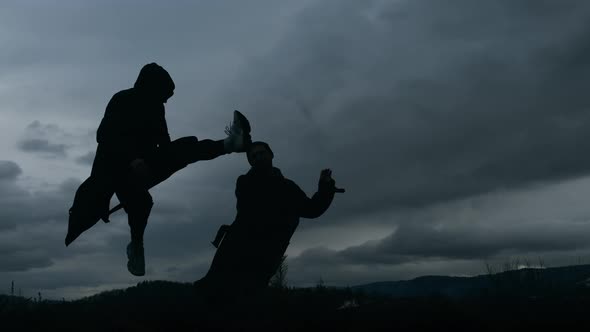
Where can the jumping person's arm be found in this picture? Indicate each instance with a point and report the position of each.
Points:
(163, 137)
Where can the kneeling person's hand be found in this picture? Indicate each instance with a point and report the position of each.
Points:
(327, 184)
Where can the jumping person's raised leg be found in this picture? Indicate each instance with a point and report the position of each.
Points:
(237, 140)
(169, 159)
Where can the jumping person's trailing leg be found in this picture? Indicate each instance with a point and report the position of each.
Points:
(138, 203)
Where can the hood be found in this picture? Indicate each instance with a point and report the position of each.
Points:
(154, 78)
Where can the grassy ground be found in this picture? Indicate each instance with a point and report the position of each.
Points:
(167, 306)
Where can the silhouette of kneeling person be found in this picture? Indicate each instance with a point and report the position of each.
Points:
(135, 153)
(268, 210)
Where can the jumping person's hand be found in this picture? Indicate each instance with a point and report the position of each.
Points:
(327, 184)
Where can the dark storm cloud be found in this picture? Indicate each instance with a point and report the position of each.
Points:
(39, 129)
(551, 223)
(42, 146)
(101, 47)
(40, 138)
(439, 249)
(416, 242)
(33, 225)
(24, 248)
(9, 262)
(10, 194)
(417, 102)
(9, 170)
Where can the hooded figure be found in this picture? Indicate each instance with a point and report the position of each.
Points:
(134, 122)
(135, 153)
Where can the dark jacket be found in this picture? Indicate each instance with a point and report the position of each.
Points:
(134, 122)
(269, 207)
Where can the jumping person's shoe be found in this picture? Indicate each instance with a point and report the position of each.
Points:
(238, 134)
(136, 263)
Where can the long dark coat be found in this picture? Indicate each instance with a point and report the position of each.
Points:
(269, 207)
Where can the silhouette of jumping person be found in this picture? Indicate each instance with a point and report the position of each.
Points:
(268, 210)
(135, 152)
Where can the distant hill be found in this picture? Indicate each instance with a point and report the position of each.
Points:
(529, 280)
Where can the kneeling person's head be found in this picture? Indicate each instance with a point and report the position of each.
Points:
(260, 155)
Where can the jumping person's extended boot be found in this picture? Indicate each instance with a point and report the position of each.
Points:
(238, 134)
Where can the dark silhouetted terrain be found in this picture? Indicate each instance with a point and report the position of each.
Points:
(526, 299)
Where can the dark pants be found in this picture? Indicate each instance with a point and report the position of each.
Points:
(162, 162)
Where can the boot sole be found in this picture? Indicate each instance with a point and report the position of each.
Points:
(130, 269)
(135, 273)
(245, 124)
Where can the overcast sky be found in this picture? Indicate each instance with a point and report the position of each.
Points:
(459, 128)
